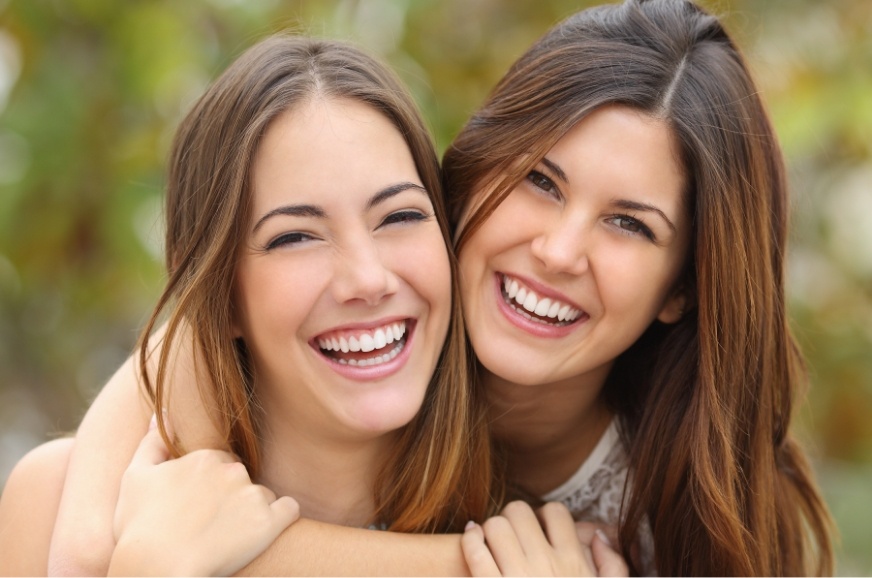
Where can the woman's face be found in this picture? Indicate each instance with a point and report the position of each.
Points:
(343, 288)
(582, 255)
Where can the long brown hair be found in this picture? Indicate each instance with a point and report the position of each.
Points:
(706, 403)
(439, 476)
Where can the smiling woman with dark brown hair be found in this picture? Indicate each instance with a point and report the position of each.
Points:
(642, 117)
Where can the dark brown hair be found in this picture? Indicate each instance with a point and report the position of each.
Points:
(706, 403)
(439, 476)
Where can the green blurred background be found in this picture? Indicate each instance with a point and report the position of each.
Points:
(91, 90)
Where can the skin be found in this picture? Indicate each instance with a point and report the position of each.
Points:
(568, 233)
(585, 247)
(330, 257)
(25, 553)
(154, 486)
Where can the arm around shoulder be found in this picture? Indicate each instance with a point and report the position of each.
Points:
(318, 549)
(82, 542)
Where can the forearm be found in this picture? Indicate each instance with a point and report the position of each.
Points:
(317, 549)
(82, 542)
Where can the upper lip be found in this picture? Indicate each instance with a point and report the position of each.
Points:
(543, 290)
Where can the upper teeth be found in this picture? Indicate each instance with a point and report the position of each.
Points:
(365, 341)
(544, 307)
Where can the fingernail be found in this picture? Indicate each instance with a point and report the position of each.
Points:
(603, 537)
(153, 423)
(469, 526)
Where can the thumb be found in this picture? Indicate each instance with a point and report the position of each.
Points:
(608, 561)
(152, 449)
(286, 511)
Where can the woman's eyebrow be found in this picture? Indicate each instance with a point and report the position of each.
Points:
(388, 192)
(314, 211)
(292, 211)
(555, 168)
(629, 205)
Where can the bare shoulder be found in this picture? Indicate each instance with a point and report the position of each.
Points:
(28, 508)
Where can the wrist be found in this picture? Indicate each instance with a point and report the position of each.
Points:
(134, 556)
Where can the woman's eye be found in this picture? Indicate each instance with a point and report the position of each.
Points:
(541, 181)
(294, 238)
(632, 226)
(405, 216)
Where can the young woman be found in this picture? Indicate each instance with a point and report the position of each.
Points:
(308, 257)
(620, 213)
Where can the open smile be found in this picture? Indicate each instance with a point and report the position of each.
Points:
(367, 352)
(530, 305)
(364, 347)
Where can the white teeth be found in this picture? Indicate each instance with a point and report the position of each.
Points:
(367, 343)
(377, 360)
(555, 307)
(399, 330)
(528, 300)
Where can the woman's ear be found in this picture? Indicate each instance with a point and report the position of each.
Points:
(675, 306)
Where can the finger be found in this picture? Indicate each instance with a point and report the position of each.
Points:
(151, 450)
(608, 561)
(586, 532)
(506, 549)
(529, 531)
(285, 511)
(478, 557)
(268, 495)
(559, 527)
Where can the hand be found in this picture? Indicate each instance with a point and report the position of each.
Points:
(521, 542)
(199, 514)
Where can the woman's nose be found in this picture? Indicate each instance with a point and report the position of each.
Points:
(562, 247)
(363, 275)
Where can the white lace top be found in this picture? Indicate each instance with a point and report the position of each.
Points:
(594, 492)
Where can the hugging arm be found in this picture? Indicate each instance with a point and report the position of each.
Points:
(83, 540)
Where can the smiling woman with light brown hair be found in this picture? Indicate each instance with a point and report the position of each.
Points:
(310, 269)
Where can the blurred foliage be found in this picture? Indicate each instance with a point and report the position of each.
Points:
(91, 90)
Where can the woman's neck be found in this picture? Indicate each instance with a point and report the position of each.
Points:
(547, 430)
(332, 480)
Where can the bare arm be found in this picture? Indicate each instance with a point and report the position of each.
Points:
(317, 549)
(83, 540)
(216, 534)
(29, 506)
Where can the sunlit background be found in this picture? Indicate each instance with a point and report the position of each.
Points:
(91, 91)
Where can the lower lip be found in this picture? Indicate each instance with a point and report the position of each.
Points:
(532, 327)
(374, 372)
